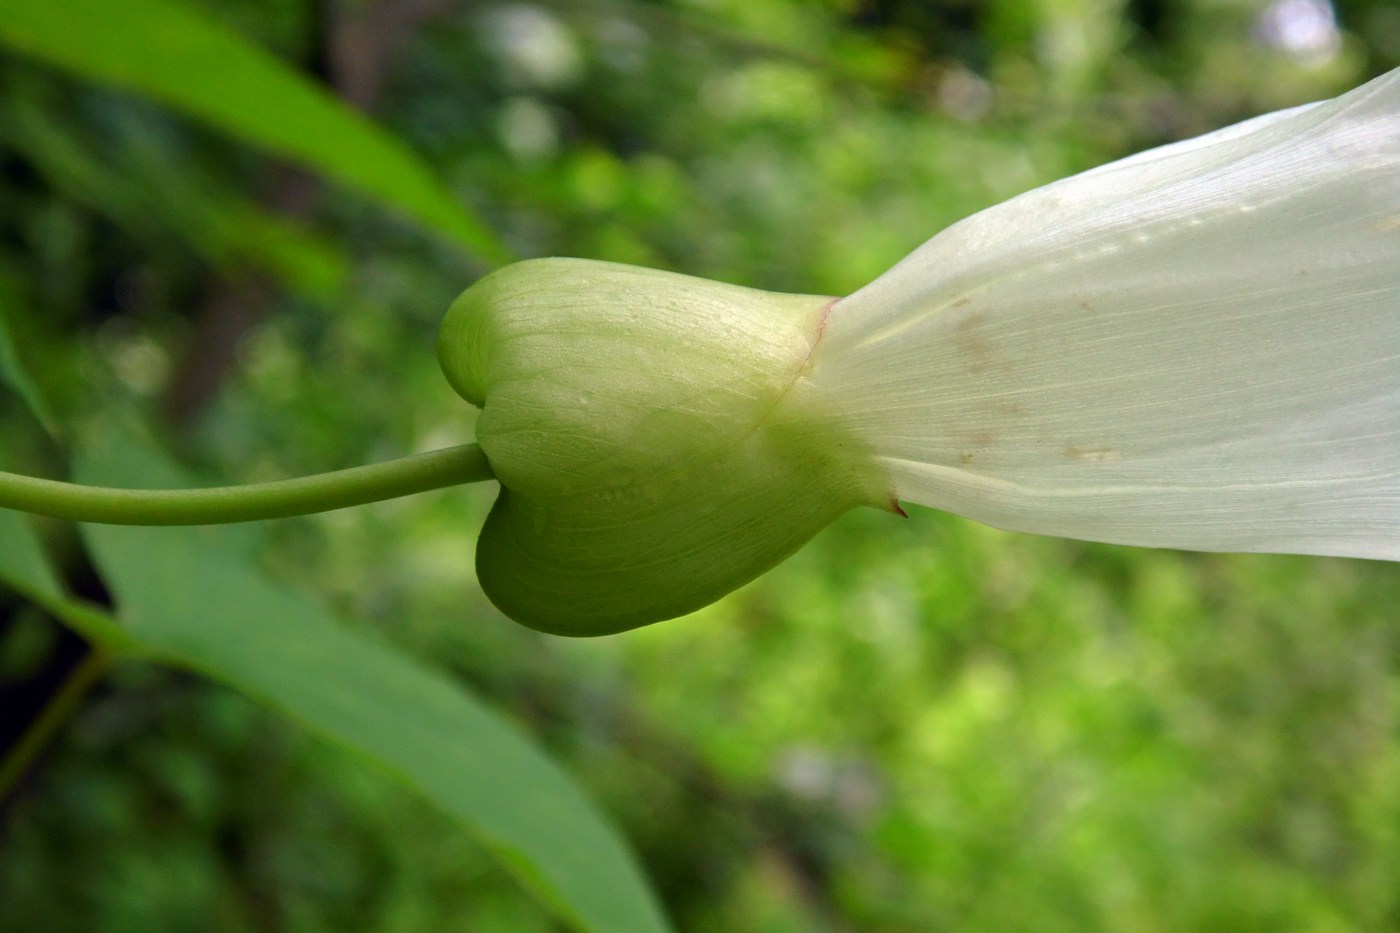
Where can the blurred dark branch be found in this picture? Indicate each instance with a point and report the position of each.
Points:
(788, 831)
(36, 711)
(52, 718)
(784, 830)
(350, 47)
(362, 41)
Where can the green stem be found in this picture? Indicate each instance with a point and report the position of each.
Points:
(55, 713)
(302, 496)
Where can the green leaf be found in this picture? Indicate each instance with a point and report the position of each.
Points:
(12, 371)
(192, 601)
(170, 52)
(135, 184)
(25, 568)
(23, 564)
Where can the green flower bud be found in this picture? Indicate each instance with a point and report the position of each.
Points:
(656, 438)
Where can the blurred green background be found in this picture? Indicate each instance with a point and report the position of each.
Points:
(910, 725)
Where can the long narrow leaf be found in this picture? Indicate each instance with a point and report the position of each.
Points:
(25, 568)
(169, 51)
(12, 370)
(23, 565)
(142, 190)
(192, 601)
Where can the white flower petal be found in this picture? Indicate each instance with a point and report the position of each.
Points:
(1196, 347)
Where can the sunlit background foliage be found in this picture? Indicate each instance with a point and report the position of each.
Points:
(911, 725)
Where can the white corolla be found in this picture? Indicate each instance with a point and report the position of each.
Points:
(1196, 347)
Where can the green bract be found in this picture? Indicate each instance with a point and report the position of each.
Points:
(657, 441)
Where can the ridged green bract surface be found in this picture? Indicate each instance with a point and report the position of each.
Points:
(657, 442)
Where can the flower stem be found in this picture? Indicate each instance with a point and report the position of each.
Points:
(304, 495)
(51, 718)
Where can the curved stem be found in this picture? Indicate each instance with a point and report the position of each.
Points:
(451, 466)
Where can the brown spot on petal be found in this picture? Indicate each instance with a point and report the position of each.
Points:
(1101, 454)
(1007, 408)
(968, 338)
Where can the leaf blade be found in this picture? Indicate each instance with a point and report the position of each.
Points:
(12, 369)
(207, 71)
(190, 602)
(135, 188)
(23, 565)
(25, 568)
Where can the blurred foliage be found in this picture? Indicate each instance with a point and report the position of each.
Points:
(911, 725)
